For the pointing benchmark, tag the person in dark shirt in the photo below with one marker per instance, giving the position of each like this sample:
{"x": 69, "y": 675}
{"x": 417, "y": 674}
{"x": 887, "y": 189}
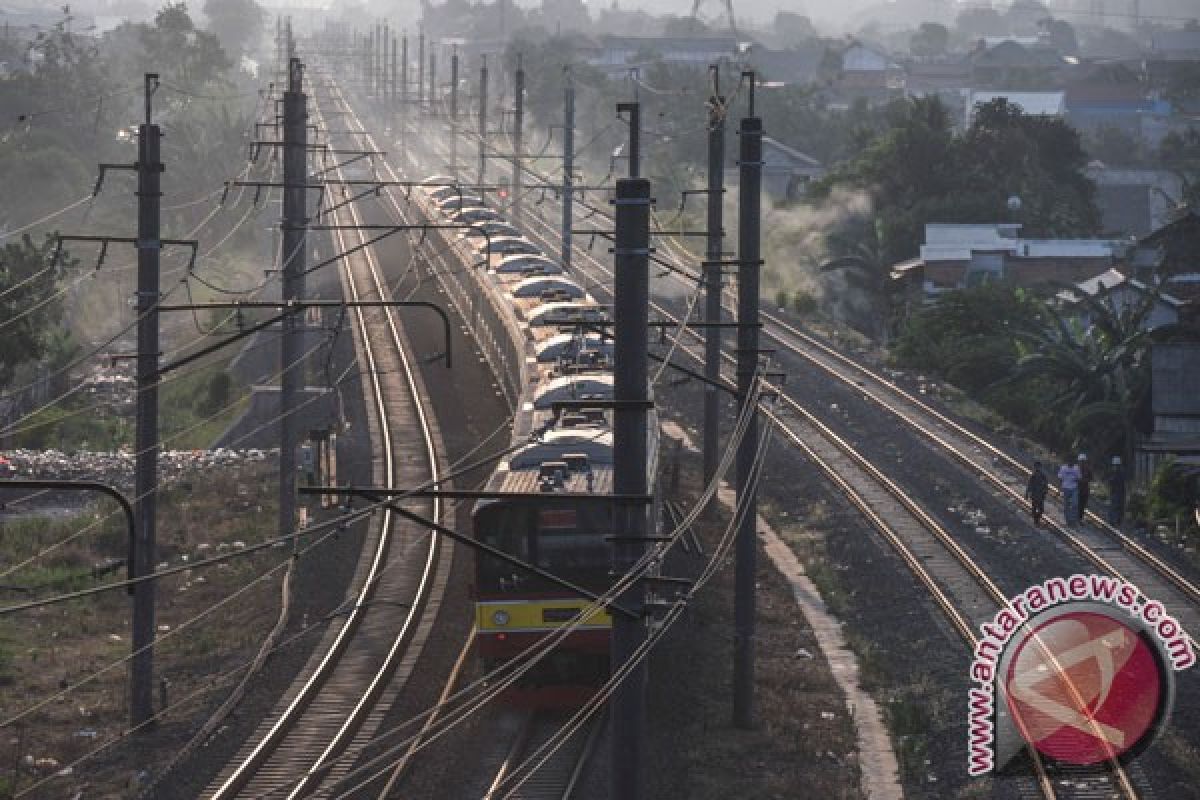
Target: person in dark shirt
{"x": 1116, "y": 492}
{"x": 1035, "y": 492}
{"x": 1085, "y": 485}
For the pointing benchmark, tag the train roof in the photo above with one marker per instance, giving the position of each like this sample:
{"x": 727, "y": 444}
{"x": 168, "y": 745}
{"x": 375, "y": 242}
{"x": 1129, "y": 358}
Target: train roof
{"x": 555, "y": 445}
{"x": 566, "y": 313}
{"x": 536, "y": 285}
{"x": 528, "y": 262}
{"x": 562, "y": 345}
{"x": 586, "y": 386}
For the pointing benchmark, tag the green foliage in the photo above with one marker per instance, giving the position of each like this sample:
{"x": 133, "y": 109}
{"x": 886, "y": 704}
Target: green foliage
{"x": 217, "y": 395}
{"x": 918, "y": 171}
{"x": 29, "y": 302}
{"x": 804, "y": 302}
{"x": 1172, "y": 492}
{"x": 236, "y": 23}
{"x": 1181, "y": 152}
{"x": 72, "y": 427}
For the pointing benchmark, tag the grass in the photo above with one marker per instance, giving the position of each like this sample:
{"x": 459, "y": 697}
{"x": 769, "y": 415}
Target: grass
{"x": 44, "y": 649}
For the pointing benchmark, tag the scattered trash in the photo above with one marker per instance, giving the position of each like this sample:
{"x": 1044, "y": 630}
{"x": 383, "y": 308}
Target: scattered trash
{"x": 803, "y": 653}
{"x": 116, "y": 467}
{"x": 828, "y": 715}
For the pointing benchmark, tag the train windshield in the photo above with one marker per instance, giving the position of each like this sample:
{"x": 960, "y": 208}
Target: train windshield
{"x": 567, "y": 541}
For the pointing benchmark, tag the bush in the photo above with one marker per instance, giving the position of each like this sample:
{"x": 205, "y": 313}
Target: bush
{"x": 220, "y": 387}
{"x": 804, "y": 302}
{"x": 1172, "y": 492}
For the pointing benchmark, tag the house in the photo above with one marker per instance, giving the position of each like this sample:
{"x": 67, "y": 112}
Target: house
{"x": 864, "y": 67}
{"x": 1010, "y": 63}
{"x": 795, "y": 65}
{"x": 1134, "y": 202}
{"x": 1175, "y": 45}
{"x": 786, "y": 171}
{"x": 1113, "y": 96}
{"x": 1123, "y": 293}
{"x": 621, "y": 52}
{"x": 956, "y": 256}
{"x": 1175, "y": 403}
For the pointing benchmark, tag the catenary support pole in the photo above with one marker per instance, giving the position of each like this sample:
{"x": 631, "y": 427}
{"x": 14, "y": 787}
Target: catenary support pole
{"x": 149, "y": 248}
{"x": 454, "y": 112}
{"x": 420, "y": 69}
{"x": 746, "y": 553}
{"x": 434, "y": 99}
{"x": 394, "y": 74}
{"x": 568, "y": 190}
{"x": 518, "y": 127}
{"x": 403, "y": 72}
{"x": 713, "y": 278}
{"x": 483, "y": 105}
{"x": 295, "y": 179}
{"x": 631, "y": 295}
{"x": 634, "y": 111}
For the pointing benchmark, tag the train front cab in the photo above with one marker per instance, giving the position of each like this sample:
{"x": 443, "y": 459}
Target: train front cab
{"x": 514, "y": 610}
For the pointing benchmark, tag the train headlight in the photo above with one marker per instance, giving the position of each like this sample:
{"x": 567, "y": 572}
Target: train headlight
{"x": 500, "y": 617}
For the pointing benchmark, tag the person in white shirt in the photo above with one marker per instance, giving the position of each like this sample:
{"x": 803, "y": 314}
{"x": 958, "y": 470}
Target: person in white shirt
{"x": 1068, "y": 480}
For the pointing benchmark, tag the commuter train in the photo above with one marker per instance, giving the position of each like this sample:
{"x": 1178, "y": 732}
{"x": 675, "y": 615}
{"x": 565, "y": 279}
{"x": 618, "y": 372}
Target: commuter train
{"x": 543, "y": 336}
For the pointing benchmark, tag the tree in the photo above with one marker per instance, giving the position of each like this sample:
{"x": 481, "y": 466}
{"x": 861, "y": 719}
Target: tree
{"x": 29, "y": 302}
{"x": 1100, "y": 371}
{"x": 1115, "y": 147}
{"x": 975, "y": 22}
{"x": 791, "y": 28}
{"x": 181, "y": 53}
{"x": 238, "y": 24}
{"x": 931, "y": 39}
{"x": 1039, "y": 159}
{"x": 1180, "y": 152}
{"x": 1060, "y": 35}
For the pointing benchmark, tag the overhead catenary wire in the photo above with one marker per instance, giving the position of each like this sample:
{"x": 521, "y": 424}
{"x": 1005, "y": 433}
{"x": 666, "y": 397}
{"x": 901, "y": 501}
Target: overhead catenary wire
{"x": 527, "y": 659}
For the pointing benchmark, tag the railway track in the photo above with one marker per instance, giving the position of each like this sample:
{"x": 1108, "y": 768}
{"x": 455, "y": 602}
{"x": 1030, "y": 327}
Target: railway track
{"x": 528, "y": 770}
{"x": 962, "y": 588}
{"x": 1106, "y": 548}
{"x": 339, "y": 699}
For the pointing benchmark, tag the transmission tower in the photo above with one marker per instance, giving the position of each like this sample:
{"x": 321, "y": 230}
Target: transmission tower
{"x": 728, "y": 12}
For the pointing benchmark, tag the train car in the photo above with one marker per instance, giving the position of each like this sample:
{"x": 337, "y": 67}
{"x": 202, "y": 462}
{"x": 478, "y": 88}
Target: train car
{"x": 539, "y": 326}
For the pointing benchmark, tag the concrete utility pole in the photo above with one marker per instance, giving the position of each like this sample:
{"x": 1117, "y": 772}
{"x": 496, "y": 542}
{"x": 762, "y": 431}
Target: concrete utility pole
{"x": 295, "y": 221}
{"x": 518, "y": 126}
{"x": 149, "y": 247}
{"x": 404, "y": 73}
{"x": 635, "y": 137}
{"x": 568, "y": 191}
{"x": 392, "y": 92}
{"x": 454, "y": 112}
{"x": 712, "y": 278}
{"x": 631, "y": 305}
{"x": 420, "y": 69}
{"x": 383, "y": 63}
{"x": 433, "y": 95}
{"x": 746, "y": 552}
{"x": 483, "y": 104}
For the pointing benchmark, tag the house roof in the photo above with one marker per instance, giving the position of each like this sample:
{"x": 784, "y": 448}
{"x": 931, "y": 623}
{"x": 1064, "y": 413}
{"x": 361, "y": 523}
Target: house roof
{"x": 792, "y": 153}
{"x": 1111, "y": 279}
{"x": 1012, "y": 54}
{"x": 1177, "y": 44}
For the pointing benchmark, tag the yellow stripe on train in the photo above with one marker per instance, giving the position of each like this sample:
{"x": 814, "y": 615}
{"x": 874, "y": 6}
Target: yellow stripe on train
{"x": 508, "y": 616}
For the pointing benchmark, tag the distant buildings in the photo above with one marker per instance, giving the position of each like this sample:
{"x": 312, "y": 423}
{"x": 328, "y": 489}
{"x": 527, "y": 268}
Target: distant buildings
{"x": 956, "y": 256}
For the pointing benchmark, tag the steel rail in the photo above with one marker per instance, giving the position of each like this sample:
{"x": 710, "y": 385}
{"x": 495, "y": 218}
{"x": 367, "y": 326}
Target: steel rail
{"x": 1117, "y": 772}
{"x": 317, "y": 679}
